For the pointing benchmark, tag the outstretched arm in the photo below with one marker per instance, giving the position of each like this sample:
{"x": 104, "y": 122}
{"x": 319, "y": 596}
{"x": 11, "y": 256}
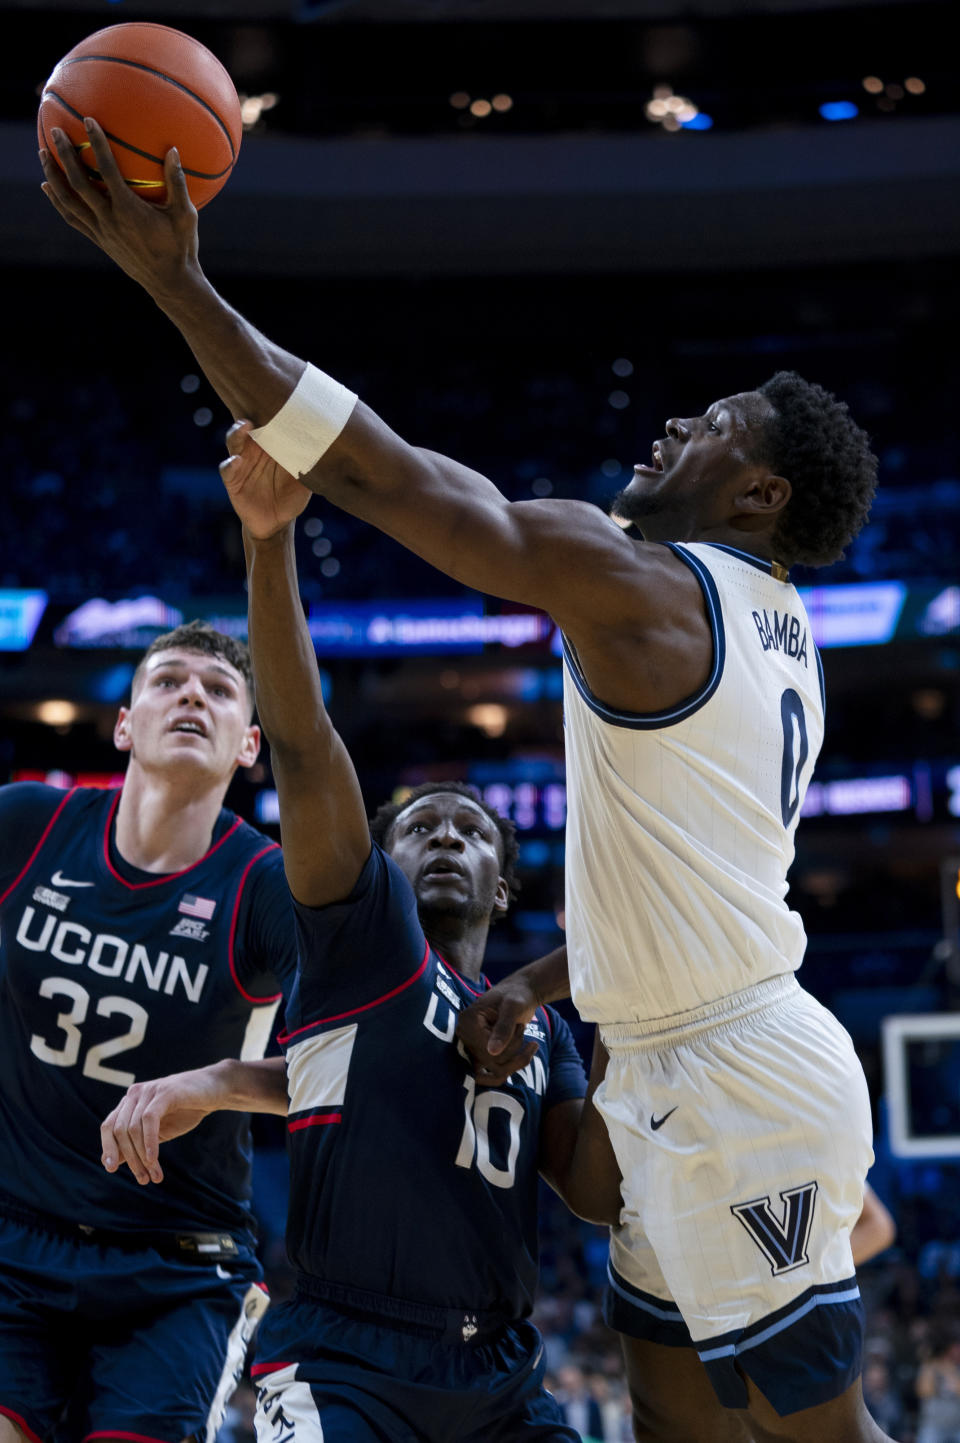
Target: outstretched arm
{"x": 323, "y": 823}
{"x": 563, "y": 556}
{"x": 150, "y": 1113}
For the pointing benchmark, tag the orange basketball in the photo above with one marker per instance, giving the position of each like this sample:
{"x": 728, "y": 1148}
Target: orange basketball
{"x": 150, "y": 87}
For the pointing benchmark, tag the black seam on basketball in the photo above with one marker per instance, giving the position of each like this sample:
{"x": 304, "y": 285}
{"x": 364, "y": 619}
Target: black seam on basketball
{"x": 151, "y": 70}
{"x": 157, "y": 159}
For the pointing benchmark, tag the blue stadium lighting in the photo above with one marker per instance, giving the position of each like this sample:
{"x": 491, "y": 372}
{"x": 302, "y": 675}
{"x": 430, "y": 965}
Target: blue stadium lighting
{"x": 860, "y": 614}
{"x": 839, "y": 110}
{"x": 112, "y": 684}
{"x": 20, "y": 613}
{"x": 701, "y": 121}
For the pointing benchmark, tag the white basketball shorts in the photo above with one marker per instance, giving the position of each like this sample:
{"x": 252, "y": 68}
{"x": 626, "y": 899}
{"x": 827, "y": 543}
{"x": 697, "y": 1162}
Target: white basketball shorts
{"x": 743, "y": 1132}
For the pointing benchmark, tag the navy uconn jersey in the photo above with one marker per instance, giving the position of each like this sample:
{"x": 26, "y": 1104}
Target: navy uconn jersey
{"x": 110, "y": 975}
{"x": 406, "y": 1178}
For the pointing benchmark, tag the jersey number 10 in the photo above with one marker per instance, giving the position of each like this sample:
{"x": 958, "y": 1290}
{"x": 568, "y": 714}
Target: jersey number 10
{"x": 475, "y": 1141}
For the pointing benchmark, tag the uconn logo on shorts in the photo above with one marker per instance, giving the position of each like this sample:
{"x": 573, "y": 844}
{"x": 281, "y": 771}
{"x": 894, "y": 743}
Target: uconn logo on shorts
{"x": 783, "y": 1241}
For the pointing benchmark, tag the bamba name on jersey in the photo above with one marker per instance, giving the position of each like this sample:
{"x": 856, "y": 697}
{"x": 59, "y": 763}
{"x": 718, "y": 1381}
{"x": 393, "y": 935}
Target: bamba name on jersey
{"x": 787, "y": 634}
{"x": 111, "y": 956}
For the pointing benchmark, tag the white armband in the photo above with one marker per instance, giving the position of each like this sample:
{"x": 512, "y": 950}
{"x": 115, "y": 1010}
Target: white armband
{"x": 308, "y": 422}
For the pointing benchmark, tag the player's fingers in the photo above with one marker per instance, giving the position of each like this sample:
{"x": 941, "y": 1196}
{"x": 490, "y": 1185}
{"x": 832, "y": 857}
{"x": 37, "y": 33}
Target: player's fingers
{"x": 58, "y": 190}
{"x": 80, "y": 189}
{"x": 178, "y": 196}
{"x": 110, "y": 172}
{"x": 151, "y": 1121}
{"x": 115, "y": 1144}
{"x": 519, "y": 1043}
{"x": 53, "y": 173}
{"x": 109, "y": 1148}
{"x": 508, "y": 1019}
{"x": 67, "y": 215}
{"x": 473, "y": 1030}
{"x": 230, "y": 470}
{"x": 519, "y": 1047}
{"x": 142, "y": 1137}
{"x": 237, "y": 436}
{"x": 124, "y": 1132}
{"x": 492, "y": 1073}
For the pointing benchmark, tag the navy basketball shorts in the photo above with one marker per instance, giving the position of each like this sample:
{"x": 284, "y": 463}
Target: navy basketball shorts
{"x": 743, "y": 1132}
{"x": 133, "y": 1344}
{"x": 323, "y": 1376}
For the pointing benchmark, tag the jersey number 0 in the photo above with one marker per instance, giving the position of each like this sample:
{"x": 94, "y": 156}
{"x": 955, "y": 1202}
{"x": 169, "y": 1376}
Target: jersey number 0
{"x": 795, "y": 751}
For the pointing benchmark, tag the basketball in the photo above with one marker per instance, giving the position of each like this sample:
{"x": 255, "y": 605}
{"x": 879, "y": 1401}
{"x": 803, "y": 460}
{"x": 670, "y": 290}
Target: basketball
{"x": 150, "y": 87}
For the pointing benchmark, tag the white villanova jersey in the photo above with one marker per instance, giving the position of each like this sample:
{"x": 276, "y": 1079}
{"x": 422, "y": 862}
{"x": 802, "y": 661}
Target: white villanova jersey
{"x": 681, "y": 823}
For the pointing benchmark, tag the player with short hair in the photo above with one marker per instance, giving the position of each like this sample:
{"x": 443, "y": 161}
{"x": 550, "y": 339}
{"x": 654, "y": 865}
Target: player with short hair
{"x": 412, "y": 1219}
{"x": 141, "y": 928}
{"x": 694, "y": 712}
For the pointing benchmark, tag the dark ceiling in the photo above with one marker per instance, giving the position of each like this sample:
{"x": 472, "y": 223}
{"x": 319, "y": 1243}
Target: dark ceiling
{"x": 449, "y": 11}
{"x": 364, "y": 166}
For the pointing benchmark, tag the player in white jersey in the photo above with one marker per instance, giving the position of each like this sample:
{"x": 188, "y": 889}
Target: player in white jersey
{"x": 737, "y": 1109}
{"x": 698, "y": 804}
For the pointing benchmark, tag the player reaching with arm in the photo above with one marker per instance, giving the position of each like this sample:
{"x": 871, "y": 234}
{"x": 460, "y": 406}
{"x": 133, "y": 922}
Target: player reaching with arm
{"x": 413, "y": 1201}
{"x": 140, "y": 928}
{"x": 693, "y": 698}
{"x": 151, "y": 1113}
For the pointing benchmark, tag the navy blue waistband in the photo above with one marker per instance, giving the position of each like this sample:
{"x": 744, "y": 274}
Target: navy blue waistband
{"x": 447, "y": 1325}
{"x": 180, "y": 1245}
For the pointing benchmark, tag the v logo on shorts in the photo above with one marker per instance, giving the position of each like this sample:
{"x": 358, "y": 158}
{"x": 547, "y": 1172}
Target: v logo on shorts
{"x": 783, "y": 1242}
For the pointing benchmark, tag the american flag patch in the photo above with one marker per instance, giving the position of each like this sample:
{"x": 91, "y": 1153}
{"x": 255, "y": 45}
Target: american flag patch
{"x": 197, "y": 906}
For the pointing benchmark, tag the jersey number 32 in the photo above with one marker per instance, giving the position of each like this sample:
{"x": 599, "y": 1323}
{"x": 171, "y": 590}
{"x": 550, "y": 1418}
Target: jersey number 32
{"x": 69, "y": 1023}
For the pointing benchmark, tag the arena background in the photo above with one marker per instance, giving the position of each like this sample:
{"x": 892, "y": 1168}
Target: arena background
{"x": 470, "y": 213}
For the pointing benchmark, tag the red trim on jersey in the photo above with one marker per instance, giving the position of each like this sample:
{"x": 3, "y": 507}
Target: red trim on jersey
{"x": 316, "y": 1119}
{"x": 122, "y": 1433}
{"x": 159, "y": 882}
{"x": 477, "y": 992}
{"x": 257, "y": 1001}
{"x": 546, "y": 1018}
{"x": 285, "y": 1036}
{"x": 15, "y": 1417}
{"x": 259, "y": 1369}
{"x": 30, "y": 860}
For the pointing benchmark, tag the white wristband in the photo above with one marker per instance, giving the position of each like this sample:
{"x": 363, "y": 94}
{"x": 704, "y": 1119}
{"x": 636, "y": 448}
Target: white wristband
{"x": 308, "y": 423}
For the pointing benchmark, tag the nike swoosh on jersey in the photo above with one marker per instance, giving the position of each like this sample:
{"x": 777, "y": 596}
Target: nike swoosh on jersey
{"x": 58, "y": 880}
